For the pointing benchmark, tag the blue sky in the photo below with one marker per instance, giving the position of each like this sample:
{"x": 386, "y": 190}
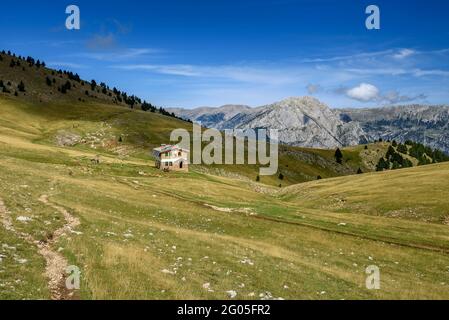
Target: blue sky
{"x": 208, "y": 53}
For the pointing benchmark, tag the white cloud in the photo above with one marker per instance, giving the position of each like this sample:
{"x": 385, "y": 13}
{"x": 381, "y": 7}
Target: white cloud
{"x": 404, "y": 53}
{"x": 364, "y": 92}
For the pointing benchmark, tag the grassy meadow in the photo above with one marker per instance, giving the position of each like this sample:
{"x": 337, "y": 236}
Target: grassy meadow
{"x": 145, "y": 234}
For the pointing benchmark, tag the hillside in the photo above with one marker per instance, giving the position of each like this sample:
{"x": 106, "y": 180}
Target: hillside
{"x": 370, "y": 194}
{"x": 136, "y": 232}
{"x": 30, "y": 80}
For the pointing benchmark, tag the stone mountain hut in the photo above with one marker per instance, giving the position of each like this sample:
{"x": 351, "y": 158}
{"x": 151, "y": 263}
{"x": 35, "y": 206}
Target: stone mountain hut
{"x": 171, "y": 158}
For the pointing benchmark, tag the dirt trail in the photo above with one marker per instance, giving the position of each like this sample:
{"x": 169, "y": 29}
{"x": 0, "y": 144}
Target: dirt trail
{"x": 56, "y": 264}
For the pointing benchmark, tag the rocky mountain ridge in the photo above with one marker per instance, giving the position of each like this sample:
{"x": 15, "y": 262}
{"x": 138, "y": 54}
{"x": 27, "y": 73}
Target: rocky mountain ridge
{"x": 307, "y": 122}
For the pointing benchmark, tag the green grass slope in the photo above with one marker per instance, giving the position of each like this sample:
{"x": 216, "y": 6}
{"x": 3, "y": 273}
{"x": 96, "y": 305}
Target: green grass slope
{"x": 420, "y": 195}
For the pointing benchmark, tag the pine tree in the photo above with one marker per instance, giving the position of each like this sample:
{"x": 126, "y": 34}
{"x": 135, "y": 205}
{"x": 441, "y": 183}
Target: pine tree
{"x": 402, "y": 148}
{"x": 382, "y": 165}
{"x": 145, "y": 106}
{"x": 395, "y": 165}
{"x": 21, "y": 86}
{"x": 390, "y": 153}
{"x": 338, "y": 156}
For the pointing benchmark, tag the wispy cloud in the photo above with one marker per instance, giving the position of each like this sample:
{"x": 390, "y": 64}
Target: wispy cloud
{"x": 254, "y": 74}
{"x": 121, "y": 27}
{"x": 432, "y": 72}
{"x": 416, "y": 72}
{"x": 382, "y": 55}
{"x": 176, "y": 69}
{"x": 356, "y": 56}
{"x": 340, "y": 78}
{"x": 313, "y": 88}
{"x": 62, "y": 64}
{"x": 118, "y": 54}
{"x": 102, "y": 42}
{"x": 394, "y": 97}
{"x": 404, "y": 53}
{"x": 46, "y": 43}
{"x": 351, "y": 66}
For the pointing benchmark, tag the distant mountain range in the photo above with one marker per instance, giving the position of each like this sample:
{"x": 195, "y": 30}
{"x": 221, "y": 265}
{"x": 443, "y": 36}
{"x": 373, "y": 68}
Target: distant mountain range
{"x": 428, "y": 125}
{"x": 307, "y": 122}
